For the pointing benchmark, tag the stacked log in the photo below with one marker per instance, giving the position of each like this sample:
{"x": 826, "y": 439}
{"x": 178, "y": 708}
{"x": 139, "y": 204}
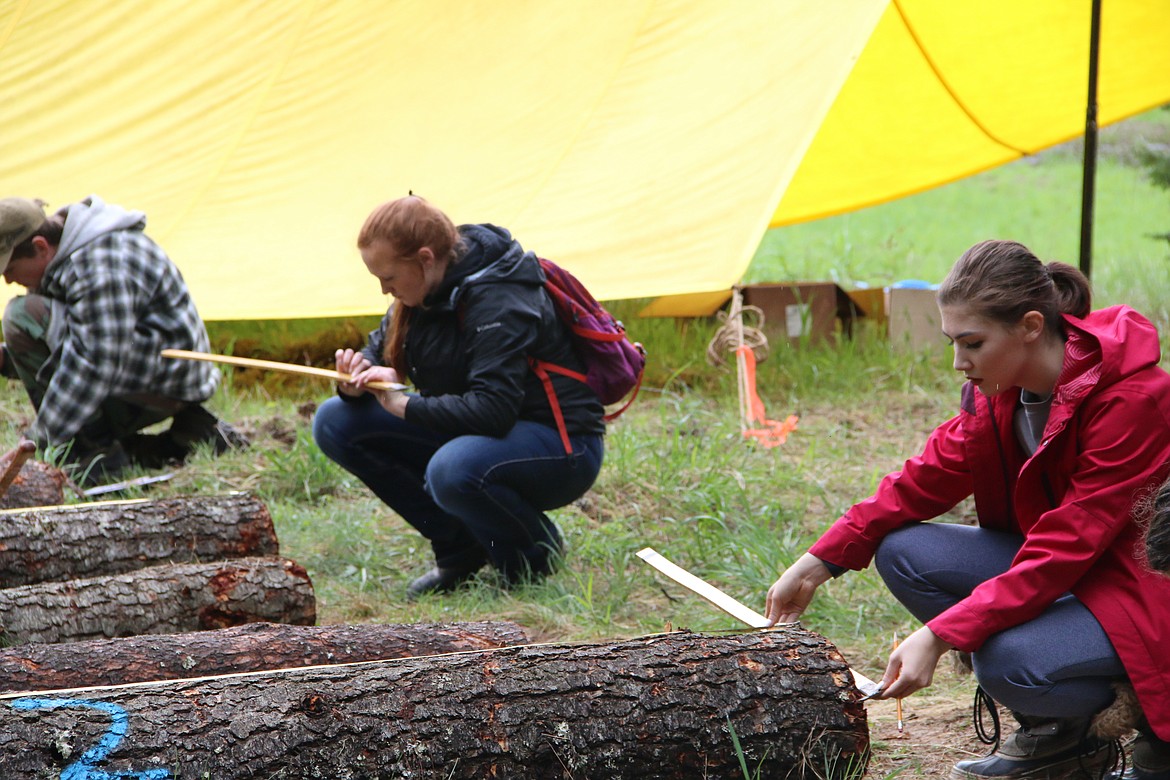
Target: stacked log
{"x": 54, "y": 543}
{"x": 159, "y": 600}
{"x": 247, "y": 648}
{"x": 122, "y": 568}
{"x": 676, "y": 705}
{"x": 32, "y": 484}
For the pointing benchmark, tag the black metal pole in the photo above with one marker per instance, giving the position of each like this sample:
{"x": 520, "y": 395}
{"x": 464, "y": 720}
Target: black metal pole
{"x": 1090, "y": 164}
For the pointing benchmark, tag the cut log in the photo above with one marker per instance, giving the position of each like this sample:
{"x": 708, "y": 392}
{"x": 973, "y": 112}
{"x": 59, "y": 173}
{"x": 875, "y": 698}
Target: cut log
{"x": 667, "y": 706}
{"x": 248, "y": 648}
{"x": 12, "y": 462}
{"x": 110, "y": 537}
{"x": 36, "y": 484}
{"x": 158, "y": 600}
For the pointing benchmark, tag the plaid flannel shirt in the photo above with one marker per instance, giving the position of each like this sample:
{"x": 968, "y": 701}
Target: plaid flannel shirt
{"x": 125, "y": 301}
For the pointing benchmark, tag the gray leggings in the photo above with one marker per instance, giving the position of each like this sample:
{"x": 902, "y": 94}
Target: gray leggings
{"x": 1059, "y": 664}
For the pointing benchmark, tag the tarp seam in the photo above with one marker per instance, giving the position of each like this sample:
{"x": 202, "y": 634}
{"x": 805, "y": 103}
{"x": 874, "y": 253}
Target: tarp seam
{"x": 257, "y": 104}
{"x": 946, "y": 85}
{"x": 16, "y": 16}
{"x": 588, "y": 115}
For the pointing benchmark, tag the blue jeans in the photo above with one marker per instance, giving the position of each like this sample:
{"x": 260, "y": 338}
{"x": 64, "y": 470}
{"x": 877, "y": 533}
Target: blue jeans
{"x": 475, "y": 498}
{"x": 1059, "y": 664}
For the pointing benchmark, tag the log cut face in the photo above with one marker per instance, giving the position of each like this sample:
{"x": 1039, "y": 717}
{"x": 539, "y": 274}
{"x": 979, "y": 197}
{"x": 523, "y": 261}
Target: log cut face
{"x": 655, "y": 707}
{"x": 110, "y": 537}
{"x": 249, "y": 648}
{"x": 159, "y": 600}
{"x": 35, "y": 485}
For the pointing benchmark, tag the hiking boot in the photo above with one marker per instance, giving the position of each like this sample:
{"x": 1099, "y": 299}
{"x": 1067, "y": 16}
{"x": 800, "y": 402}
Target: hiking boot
{"x": 1042, "y": 749}
{"x": 195, "y": 425}
{"x": 90, "y": 464}
{"x": 440, "y": 580}
{"x": 1151, "y": 760}
{"x": 153, "y": 450}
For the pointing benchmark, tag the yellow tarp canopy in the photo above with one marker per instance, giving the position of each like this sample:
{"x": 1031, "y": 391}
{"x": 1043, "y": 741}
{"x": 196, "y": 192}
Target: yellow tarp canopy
{"x": 644, "y": 145}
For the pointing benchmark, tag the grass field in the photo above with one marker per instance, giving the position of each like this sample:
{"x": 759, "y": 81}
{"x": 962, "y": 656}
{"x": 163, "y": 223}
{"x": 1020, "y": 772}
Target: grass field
{"x": 678, "y": 476}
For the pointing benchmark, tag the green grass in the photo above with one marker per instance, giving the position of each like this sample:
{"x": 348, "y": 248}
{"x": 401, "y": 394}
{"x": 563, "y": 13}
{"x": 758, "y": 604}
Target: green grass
{"x": 678, "y": 475}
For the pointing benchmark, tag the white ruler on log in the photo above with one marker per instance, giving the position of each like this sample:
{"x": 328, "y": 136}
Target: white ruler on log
{"x": 736, "y": 609}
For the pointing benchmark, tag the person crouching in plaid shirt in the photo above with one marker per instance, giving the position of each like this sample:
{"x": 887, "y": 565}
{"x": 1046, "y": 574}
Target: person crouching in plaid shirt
{"x": 103, "y": 301}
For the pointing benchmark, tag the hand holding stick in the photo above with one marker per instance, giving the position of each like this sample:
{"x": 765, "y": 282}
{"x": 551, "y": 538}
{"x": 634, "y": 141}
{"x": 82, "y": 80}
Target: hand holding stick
{"x": 271, "y": 365}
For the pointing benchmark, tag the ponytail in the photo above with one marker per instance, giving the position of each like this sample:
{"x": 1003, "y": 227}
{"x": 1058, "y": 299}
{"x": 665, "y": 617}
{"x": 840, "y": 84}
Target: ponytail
{"x": 1003, "y": 280}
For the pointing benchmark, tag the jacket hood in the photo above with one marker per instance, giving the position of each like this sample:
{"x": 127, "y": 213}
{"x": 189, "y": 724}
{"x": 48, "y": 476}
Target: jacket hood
{"x": 1125, "y": 343}
{"x": 490, "y": 255}
{"x": 1102, "y": 349}
{"x": 93, "y": 218}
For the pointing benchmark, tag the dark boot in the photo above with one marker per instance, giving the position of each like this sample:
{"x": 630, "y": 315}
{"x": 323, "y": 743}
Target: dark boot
{"x": 154, "y": 450}
{"x": 1042, "y": 749}
{"x": 1150, "y": 759}
{"x": 89, "y": 463}
{"x": 441, "y": 580}
{"x": 195, "y": 425}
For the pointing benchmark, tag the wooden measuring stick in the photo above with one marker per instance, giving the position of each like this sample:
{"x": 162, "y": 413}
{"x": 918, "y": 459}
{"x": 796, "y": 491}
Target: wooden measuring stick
{"x": 272, "y": 365}
{"x": 729, "y": 605}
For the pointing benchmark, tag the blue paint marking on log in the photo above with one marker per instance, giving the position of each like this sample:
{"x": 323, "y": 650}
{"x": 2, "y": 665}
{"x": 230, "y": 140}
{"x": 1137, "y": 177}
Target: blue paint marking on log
{"x": 86, "y": 767}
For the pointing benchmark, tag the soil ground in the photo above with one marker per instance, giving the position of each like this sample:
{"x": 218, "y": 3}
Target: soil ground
{"x": 937, "y": 730}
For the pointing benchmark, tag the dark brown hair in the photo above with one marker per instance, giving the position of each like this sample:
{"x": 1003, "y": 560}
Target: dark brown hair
{"x": 408, "y": 224}
{"x": 1003, "y": 281}
{"x": 51, "y": 230}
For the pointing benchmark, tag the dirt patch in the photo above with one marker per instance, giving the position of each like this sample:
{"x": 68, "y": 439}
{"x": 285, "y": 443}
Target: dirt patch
{"x": 936, "y": 730}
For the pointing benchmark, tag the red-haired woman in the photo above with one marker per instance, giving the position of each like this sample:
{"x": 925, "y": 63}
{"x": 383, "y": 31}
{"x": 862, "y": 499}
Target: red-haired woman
{"x": 1062, "y": 437}
{"x": 473, "y": 459}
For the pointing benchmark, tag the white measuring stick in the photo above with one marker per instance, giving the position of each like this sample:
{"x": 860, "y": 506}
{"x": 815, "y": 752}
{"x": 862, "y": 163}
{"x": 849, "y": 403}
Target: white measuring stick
{"x": 729, "y": 605}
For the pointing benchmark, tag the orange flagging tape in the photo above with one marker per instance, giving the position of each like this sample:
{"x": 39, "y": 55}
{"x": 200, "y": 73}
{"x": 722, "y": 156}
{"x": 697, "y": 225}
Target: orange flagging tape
{"x": 771, "y": 433}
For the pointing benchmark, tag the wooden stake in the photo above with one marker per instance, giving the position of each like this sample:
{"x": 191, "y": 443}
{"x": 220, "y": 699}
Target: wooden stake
{"x": 20, "y": 455}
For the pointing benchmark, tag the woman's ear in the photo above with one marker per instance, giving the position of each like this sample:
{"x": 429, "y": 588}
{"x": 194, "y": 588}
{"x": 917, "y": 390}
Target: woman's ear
{"x": 1032, "y": 325}
{"x": 426, "y": 256}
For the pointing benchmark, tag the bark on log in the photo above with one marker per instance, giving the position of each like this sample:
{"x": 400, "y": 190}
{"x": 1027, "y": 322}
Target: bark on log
{"x": 650, "y": 708}
{"x": 111, "y": 537}
{"x": 36, "y": 484}
{"x": 249, "y": 648}
{"x": 159, "y": 600}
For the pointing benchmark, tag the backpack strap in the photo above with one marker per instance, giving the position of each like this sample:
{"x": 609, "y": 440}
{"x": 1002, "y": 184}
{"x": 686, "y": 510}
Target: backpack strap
{"x": 616, "y": 413}
{"x": 541, "y": 369}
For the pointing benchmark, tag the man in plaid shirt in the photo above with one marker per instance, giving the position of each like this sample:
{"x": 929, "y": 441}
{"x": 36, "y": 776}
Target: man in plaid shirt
{"x": 103, "y": 301}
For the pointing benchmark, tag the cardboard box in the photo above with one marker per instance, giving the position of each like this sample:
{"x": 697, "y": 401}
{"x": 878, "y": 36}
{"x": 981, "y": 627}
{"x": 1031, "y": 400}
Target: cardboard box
{"x": 913, "y": 319}
{"x": 800, "y": 310}
{"x": 871, "y": 302}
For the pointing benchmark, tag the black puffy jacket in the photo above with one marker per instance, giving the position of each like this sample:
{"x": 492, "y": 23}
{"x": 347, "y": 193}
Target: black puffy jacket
{"x": 468, "y": 345}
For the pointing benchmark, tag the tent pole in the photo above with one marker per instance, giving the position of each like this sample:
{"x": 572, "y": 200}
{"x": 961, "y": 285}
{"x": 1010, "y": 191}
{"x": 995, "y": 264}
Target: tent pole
{"x": 1090, "y": 163}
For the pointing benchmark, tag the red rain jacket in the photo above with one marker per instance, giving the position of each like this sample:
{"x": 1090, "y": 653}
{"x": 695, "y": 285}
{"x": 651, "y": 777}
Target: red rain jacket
{"x": 1080, "y": 501}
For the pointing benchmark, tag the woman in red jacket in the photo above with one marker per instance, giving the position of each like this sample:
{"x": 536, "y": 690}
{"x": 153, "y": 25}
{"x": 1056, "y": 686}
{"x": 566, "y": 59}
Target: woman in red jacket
{"x": 1062, "y": 438}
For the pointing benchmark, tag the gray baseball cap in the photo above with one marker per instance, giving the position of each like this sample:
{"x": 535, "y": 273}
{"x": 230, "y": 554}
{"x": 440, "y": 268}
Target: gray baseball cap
{"x": 19, "y": 219}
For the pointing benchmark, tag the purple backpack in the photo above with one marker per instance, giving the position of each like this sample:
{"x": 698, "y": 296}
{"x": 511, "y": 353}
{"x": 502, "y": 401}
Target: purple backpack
{"x": 613, "y": 364}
